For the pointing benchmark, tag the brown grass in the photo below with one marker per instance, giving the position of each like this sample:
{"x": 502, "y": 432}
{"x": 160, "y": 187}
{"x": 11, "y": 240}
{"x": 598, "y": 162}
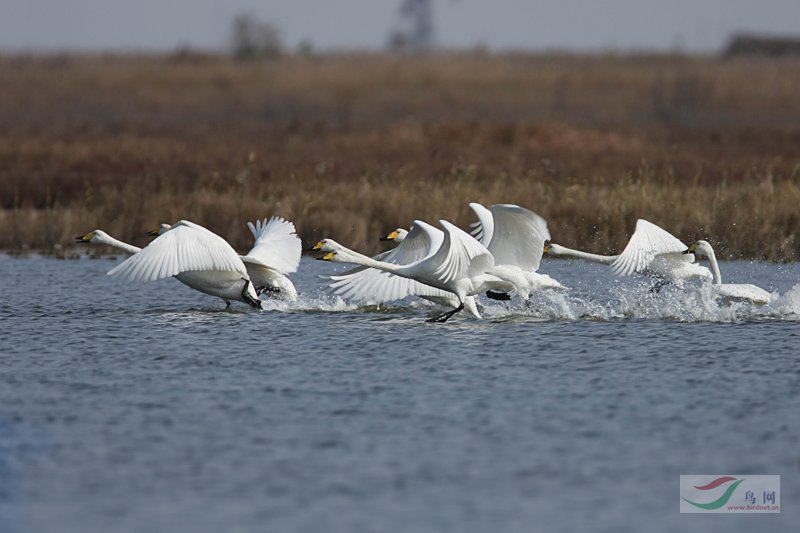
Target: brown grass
{"x": 353, "y": 146}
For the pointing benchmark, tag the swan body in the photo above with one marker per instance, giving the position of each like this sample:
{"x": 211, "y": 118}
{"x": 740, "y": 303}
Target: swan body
{"x": 651, "y": 250}
{"x": 215, "y": 283}
{"x": 275, "y": 253}
{"x": 370, "y": 284}
{"x": 515, "y": 236}
{"x": 198, "y": 258}
{"x": 732, "y": 291}
{"x": 460, "y": 265}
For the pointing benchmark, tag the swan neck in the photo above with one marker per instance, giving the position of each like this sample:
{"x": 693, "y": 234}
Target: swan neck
{"x": 349, "y": 256}
{"x": 116, "y": 243}
{"x": 587, "y": 256}
{"x": 712, "y": 258}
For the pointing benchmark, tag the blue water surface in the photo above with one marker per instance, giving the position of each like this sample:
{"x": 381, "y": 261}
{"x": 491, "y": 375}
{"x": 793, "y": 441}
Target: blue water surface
{"x": 148, "y": 407}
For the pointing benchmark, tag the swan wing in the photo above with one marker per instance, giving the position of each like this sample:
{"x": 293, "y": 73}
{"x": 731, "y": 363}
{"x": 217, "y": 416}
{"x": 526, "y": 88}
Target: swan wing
{"x": 374, "y": 285}
{"x": 459, "y": 256}
{"x": 259, "y": 273}
{"x": 370, "y": 284}
{"x": 483, "y": 229}
{"x": 421, "y": 242}
{"x": 183, "y": 248}
{"x": 276, "y": 246}
{"x": 646, "y": 243}
{"x": 519, "y": 236}
{"x": 678, "y": 267}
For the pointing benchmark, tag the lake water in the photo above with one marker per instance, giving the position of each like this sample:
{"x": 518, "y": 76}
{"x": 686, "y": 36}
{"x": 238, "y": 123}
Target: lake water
{"x": 139, "y": 408}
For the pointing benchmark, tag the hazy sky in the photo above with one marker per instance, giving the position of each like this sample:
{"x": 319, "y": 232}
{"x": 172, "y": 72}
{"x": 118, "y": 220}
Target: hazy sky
{"x": 500, "y": 24}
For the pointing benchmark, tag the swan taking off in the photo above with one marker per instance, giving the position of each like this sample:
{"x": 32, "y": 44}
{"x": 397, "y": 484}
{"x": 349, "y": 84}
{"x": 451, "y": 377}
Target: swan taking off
{"x": 516, "y": 238}
{"x": 372, "y": 285}
{"x": 275, "y": 253}
{"x": 198, "y": 258}
{"x": 461, "y": 265}
{"x": 651, "y": 251}
{"x": 732, "y": 291}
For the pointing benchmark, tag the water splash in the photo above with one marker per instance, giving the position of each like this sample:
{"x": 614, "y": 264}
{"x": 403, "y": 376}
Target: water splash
{"x": 615, "y": 302}
{"x": 788, "y": 305}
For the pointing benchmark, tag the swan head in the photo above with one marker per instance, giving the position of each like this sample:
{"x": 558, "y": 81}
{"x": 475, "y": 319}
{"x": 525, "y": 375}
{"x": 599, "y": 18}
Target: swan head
{"x": 97, "y": 236}
{"x": 326, "y": 245}
{"x": 700, "y": 248}
{"x": 397, "y": 235}
{"x": 335, "y": 252}
{"x": 336, "y": 256}
{"x": 158, "y": 230}
{"x": 551, "y": 248}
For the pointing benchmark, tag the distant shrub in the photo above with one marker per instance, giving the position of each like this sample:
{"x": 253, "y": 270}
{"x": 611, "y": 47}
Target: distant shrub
{"x": 252, "y": 38}
{"x": 762, "y": 45}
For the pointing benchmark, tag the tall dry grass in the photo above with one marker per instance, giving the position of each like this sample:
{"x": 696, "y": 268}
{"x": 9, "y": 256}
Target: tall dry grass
{"x": 352, "y": 146}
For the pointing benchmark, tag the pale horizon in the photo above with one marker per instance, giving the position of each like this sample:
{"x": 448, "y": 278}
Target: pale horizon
{"x": 363, "y": 25}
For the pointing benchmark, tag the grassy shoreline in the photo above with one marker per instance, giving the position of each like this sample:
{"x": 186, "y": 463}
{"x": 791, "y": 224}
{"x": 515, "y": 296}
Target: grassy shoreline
{"x": 351, "y": 146}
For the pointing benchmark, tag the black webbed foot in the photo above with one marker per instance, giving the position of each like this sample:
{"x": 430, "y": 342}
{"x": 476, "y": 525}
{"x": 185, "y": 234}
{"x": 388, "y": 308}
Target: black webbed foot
{"x": 494, "y": 295}
{"x": 658, "y": 285}
{"x": 266, "y": 289}
{"x": 444, "y": 317}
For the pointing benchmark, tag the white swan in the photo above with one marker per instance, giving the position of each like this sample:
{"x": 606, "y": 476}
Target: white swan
{"x": 733, "y": 291}
{"x": 516, "y": 238}
{"x": 651, "y": 251}
{"x": 99, "y": 236}
{"x": 369, "y": 284}
{"x": 275, "y": 253}
{"x": 461, "y": 265}
{"x": 195, "y": 256}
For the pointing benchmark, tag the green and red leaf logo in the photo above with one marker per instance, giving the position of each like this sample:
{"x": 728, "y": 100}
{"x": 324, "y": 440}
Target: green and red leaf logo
{"x": 723, "y": 499}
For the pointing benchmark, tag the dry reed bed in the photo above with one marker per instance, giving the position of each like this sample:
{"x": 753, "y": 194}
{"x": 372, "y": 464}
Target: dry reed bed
{"x": 352, "y": 146}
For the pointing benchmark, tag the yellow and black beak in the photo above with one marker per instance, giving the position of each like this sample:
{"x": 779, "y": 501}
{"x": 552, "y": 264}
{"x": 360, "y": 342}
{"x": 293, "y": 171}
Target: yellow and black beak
{"x": 85, "y": 238}
{"x": 546, "y": 249}
{"x": 153, "y": 232}
{"x": 316, "y": 247}
{"x": 390, "y": 237}
{"x": 327, "y": 257}
{"x": 690, "y": 249}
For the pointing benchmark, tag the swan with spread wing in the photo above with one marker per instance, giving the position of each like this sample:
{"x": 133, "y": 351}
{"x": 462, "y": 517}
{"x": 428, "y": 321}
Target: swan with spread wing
{"x": 651, "y": 250}
{"x": 275, "y": 254}
{"x": 460, "y": 265}
{"x": 367, "y": 284}
{"x": 516, "y": 238}
{"x": 195, "y": 256}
